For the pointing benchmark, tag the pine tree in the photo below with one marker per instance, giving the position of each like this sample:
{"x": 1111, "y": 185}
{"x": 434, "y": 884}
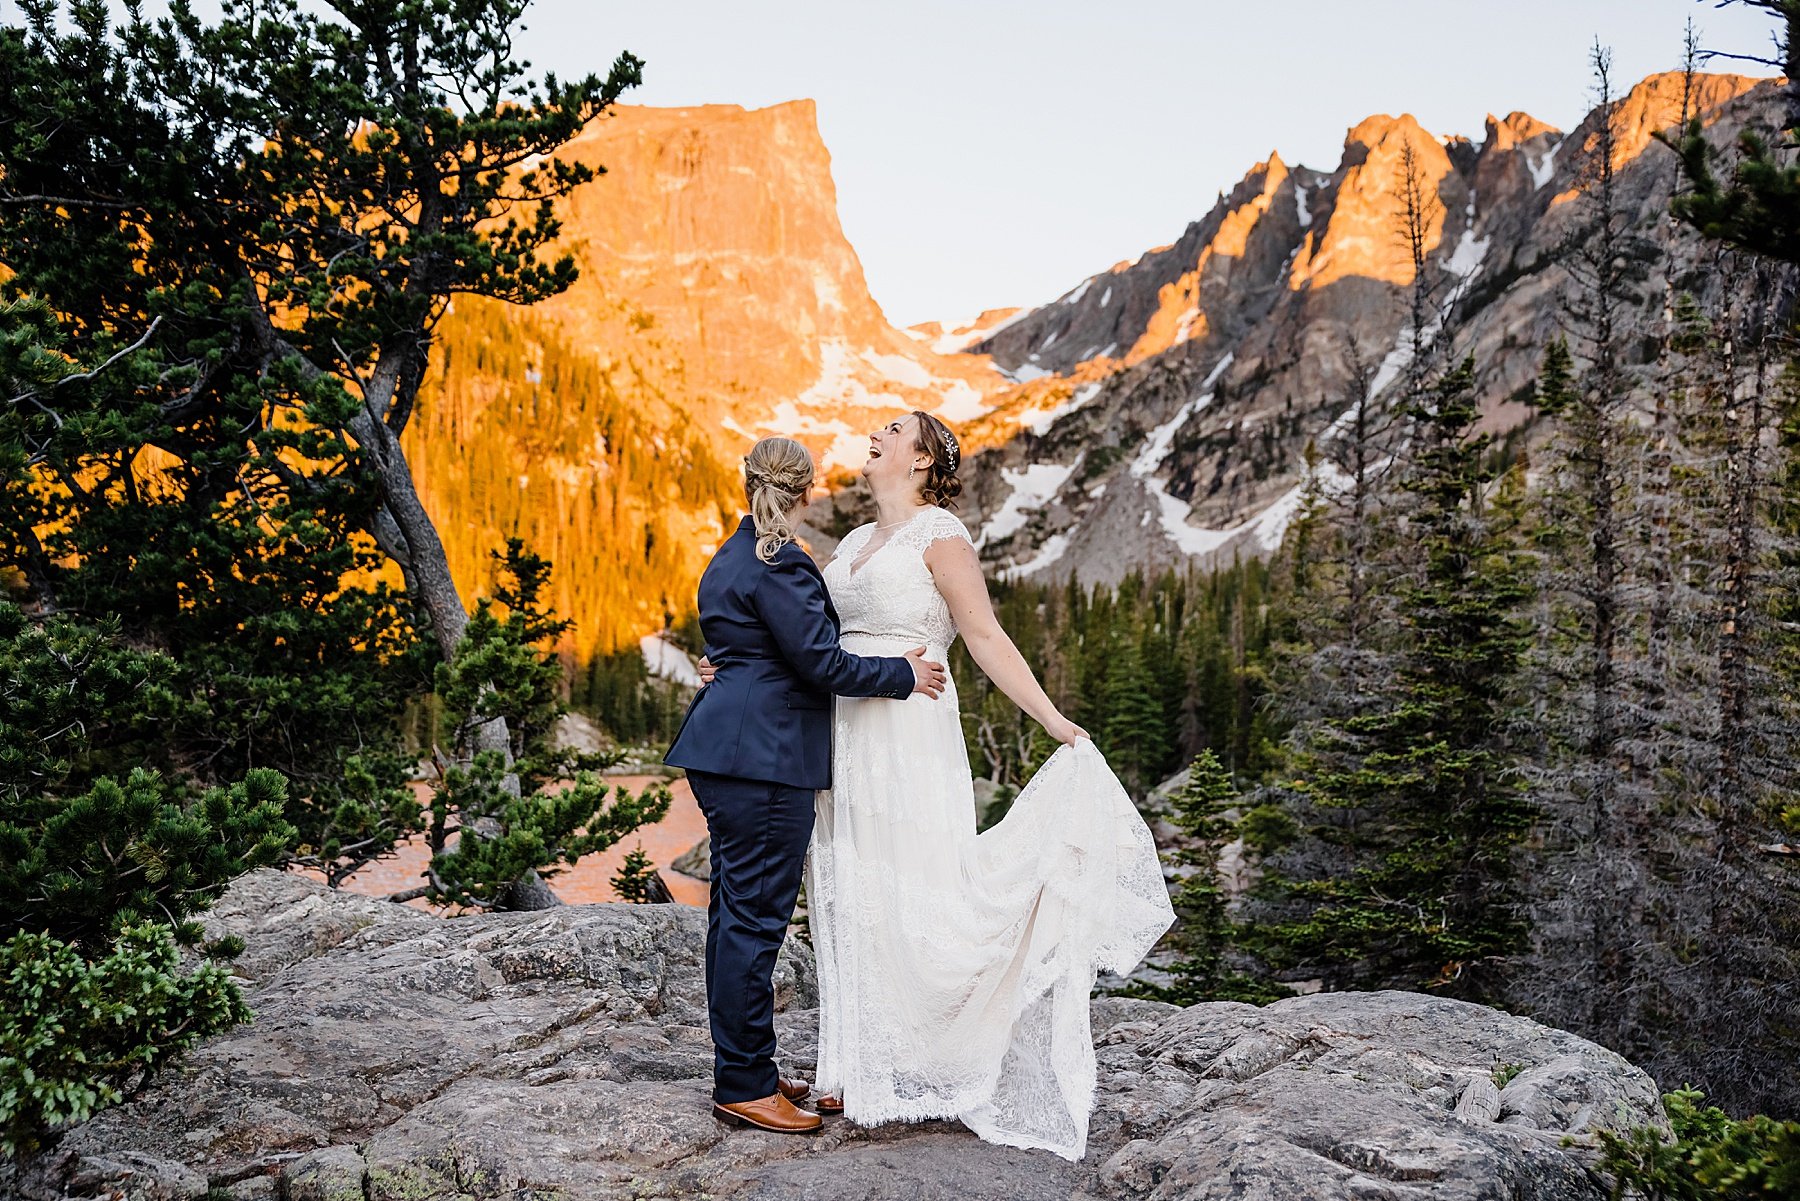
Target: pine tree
{"x": 1205, "y": 810}
{"x": 1427, "y": 898}
{"x": 105, "y": 862}
{"x": 1133, "y": 730}
{"x": 636, "y": 879}
{"x": 1192, "y": 676}
{"x": 1719, "y": 697}
{"x": 1600, "y": 456}
{"x": 506, "y": 667}
{"x": 1751, "y": 893}
{"x": 91, "y": 834}
{"x": 1759, "y": 209}
{"x": 279, "y": 656}
{"x": 281, "y": 243}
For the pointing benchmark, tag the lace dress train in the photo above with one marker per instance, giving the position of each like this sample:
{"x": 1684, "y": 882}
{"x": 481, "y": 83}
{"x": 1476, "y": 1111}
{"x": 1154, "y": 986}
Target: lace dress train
{"x": 955, "y": 968}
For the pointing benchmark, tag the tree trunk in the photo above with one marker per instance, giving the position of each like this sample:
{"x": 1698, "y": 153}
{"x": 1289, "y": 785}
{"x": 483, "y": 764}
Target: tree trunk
{"x": 426, "y": 565}
{"x": 429, "y": 573}
{"x": 1658, "y": 483}
{"x": 405, "y": 532}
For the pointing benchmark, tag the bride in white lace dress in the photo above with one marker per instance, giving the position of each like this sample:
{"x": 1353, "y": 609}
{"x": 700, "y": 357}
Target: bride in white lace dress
{"x": 955, "y": 968}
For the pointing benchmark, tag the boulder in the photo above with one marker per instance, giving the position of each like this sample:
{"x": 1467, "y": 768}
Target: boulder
{"x": 696, "y": 861}
{"x": 564, "y": 1053}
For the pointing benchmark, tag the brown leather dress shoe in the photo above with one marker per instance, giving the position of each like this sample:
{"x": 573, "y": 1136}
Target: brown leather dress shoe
{"x": 773, "y": 1112}
{"x": 829, "y": 1103}
{"x": 792, "y": 1089}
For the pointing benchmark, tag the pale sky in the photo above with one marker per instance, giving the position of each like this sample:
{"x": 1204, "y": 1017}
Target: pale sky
{"x": 997, "y": 152}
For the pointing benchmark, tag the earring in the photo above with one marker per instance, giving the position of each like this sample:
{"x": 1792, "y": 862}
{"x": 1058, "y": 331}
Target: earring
{"x": 912, "y": 471}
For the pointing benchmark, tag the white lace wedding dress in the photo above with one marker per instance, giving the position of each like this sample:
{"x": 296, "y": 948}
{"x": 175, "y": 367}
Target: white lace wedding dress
{"x": 955, "y": 968}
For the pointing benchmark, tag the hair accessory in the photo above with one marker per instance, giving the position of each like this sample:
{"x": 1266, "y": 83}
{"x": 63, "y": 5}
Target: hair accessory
{"x": 952, "y": 451}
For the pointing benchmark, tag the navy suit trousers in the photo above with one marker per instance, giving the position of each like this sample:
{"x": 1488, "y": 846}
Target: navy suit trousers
{"x": 759, "y": 836}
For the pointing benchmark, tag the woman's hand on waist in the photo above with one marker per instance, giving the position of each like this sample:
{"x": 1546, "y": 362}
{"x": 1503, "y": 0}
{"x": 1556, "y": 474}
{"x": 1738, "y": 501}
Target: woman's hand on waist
{"x": 708, "y": 669}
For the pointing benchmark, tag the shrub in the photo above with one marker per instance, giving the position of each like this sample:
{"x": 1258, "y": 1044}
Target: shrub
{"x": 85, "y": 847}
{"x": 1711, "y": 1157}
{"x": 103, "y": 865}
{"x": 1205, "y": 929}
{"x": 77, "y": 1035}
{"x": 632, "y": 882}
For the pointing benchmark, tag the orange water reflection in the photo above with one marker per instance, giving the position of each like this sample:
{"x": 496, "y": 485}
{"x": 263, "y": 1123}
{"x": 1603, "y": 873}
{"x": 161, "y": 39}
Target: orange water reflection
{"x": 586, "y": 882}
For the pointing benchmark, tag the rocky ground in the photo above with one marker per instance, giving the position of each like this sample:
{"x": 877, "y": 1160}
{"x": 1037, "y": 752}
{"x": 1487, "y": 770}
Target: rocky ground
{"x": 565, "y": 1054}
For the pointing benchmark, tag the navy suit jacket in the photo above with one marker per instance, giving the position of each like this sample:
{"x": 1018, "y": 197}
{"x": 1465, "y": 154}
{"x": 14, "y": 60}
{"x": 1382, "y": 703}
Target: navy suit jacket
{"x": 772, "y": 632}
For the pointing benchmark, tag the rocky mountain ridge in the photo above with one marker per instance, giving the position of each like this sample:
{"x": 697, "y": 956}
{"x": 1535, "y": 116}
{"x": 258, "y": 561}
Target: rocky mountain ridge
{"x": 564, "y": 1053}
{"x": 1167, "y": 401}
{"x": 1154, "y": 414}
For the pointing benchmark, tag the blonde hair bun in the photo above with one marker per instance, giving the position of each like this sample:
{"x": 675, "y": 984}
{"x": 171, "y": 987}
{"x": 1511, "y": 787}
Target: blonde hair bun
{"x": 778, "y": 474}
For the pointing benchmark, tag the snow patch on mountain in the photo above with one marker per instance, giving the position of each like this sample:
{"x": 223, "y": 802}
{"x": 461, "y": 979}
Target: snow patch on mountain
{"x": 847, "y": 448}
{"x": 900, "y": 369}
{"x": 1024, "y": 373}
{"x": 1156, "y": 447}
{"x": 958, "y": 336}
{"x": 849, "y": 377}
{"x": 1465, "y": 261}
{"x": 1266, "y": 529}
{"x": 961, "y": 402}
{"x": 1544, "y": 170}
{"x": 1032, "y": 488}
{"x": 1049, "y": 553}
{"x": 1470, "y": 252}
{"x": 1039, "y": 421}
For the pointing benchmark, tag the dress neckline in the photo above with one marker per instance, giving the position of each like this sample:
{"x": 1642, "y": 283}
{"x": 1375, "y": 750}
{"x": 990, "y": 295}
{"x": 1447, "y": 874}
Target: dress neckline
{"x": 854, "y": 570}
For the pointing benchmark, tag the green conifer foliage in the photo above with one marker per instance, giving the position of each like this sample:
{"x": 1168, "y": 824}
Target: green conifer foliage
{"x": 1133, "y": 731}
{"x": 506, "y": 667}
{"x": 1429, "y": 901}
{"x": 270, "y": 213}
{"x": 79, "y": 1034}
{"x": 105, "y": 861}
{"x": 1207, "y": 809}
{"x": 91, "y": 839}
{"x": 1758, "y": 210}
{"x": 1156, "y": 669}
{"x": 633, "y": 881}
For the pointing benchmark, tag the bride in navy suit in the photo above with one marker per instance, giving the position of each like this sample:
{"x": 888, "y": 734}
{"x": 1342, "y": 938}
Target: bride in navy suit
{"x": 756, "y": 744}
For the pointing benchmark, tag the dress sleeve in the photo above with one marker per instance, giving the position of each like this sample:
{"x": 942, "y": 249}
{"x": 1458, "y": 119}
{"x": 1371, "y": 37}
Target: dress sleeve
{"x": 937, "y": 526}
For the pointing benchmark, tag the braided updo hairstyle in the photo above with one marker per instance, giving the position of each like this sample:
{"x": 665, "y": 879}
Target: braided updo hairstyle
{"x": 778, "y": 473}
{"x": 941, "y": 486}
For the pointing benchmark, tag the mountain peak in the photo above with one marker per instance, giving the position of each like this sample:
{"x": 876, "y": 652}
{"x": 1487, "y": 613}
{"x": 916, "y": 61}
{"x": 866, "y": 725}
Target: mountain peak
{"x": 1261, "y": 180}
{"x": 1246, "y": 336}
{"x": 1653, "y": 106}
{"x": 1359, "y": 238}
{"x": 718, "y": 301}
{"x": 1378, "y": 128}
{"x": 1504, "y": 133}
{"x": 1657, "y": 102}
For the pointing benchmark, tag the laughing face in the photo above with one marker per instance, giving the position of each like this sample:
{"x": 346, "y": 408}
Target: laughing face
{"x": 894, "y": 450}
